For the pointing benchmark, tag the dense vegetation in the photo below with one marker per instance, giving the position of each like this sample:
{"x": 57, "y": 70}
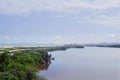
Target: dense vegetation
{"x": 21, "y": 66}
{"x": 23, "y": 63}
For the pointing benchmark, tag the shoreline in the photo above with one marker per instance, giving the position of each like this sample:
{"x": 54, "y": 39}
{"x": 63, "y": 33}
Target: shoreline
{"x": 27, "y": 61}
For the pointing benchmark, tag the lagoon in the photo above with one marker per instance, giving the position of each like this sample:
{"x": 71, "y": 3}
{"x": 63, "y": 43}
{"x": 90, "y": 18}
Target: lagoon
{"x": 90, "y": 63}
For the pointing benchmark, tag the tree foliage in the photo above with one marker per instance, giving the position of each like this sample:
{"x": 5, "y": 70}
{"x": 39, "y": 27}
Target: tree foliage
{"x": 20, "y": 66}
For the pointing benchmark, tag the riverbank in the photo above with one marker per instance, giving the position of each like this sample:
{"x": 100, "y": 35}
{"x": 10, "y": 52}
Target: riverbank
{"x": 14, "y": 50}
{"x": 24, "y": 66}
{"x": 22, "y": 63}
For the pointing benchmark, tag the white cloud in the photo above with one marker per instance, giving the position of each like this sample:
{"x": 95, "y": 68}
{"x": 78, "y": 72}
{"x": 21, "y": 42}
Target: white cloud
{"x": 101, "y": 20}
{"x": 96, "y": 9}
{"x": 97, "y": 14}
{"x": 87, "y": 38}
{"x": 63, "y": 39}
{"x": 29, "y": 6}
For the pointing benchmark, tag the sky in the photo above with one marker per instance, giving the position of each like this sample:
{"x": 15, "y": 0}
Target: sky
{"x": 59, "y": 21}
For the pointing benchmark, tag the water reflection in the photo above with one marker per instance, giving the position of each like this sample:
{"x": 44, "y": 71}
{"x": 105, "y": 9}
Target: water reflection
{"x": 43, "y": 66}
{"x": 48, "y": 61}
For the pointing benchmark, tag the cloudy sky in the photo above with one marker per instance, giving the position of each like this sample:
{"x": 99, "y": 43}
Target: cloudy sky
{"x": 59, "y": 21}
